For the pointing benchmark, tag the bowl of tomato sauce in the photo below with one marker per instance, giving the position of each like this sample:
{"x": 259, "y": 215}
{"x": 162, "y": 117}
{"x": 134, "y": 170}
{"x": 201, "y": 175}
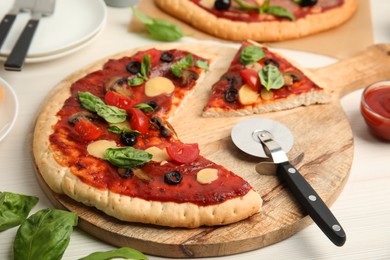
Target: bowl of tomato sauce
{"x": 375, "y": 108}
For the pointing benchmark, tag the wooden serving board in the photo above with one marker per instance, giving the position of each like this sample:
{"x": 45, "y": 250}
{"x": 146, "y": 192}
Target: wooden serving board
{"x": 321, "y": 132}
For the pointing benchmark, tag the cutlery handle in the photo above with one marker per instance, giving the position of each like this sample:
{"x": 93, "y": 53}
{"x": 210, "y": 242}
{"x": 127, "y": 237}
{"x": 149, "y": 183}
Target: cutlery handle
{"x": 312, "y": 203}
{"x": 5, "y": 26}
{"x": 19, "y": 52}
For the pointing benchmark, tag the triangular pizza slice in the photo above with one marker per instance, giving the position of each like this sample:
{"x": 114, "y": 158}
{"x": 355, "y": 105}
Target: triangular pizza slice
{"x": 259, "y": 80}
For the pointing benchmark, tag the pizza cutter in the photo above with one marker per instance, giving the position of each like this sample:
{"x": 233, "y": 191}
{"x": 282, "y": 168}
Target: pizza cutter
{"x": 261, "y": 137}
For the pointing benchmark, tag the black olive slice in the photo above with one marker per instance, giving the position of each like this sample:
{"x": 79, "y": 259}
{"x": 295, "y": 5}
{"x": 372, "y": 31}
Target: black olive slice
{"x": 308, "y": 2}
{"x": 134, "y": 67}
{"x": 166, "y": 57}
{"x": 158, "y": 123}
{"x": 273, "y": 61}
{"x": 173, "y": 177}
{"x": 128, "y": 138}
{"x": 153, "y": 104}
{"x": 222, "y": 4}
{"x": 231, "y": 95}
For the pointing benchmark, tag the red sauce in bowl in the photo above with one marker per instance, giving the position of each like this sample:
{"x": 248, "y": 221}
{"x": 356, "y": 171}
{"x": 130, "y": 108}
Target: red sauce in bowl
{"x": 375, "y": 108}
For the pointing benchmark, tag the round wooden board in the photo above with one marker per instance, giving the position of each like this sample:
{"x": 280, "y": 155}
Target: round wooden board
{"x": 321, "y": 132}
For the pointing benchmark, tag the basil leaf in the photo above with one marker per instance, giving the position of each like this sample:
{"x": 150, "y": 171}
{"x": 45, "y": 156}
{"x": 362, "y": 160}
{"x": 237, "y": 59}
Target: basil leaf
{"x": 163, "y": 30}
{"x": 89, "y": 101}
{"x": 111, "y": 114}
{"x": 271, "y": 77}
{"x": 245, "y": 6}
{"x": 114, "y": 129}
{"x": 203, "y": 64}
{"x": 44, "y": 235}
{"x": 159, "y": 29}
{"x": 127, "y": 157}
{"x": 144, "y": 107}
{"x": 251, "y": 54}
{"x": 186, "y": 62}
{"x": 124, "y": 252}
{"x": 14, "y": 209}
{"x": 136, "y": 81}
{"x": 145, "y": 66}
{"x": 280, "y": 12}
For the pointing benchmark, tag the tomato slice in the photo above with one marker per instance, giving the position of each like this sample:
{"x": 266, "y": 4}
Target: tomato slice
{"x": 251, "y": 78}
{"x": 138, "y": 120}
{"x": 183, "y": 153}
{"x": 87, "y": 130}
{"x": 113, "y": 98}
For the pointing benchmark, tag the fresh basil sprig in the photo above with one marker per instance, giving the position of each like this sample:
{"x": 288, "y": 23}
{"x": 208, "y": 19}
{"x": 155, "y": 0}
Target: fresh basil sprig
{"x": 271, "y": 77}
{"x": 14, "y": 209}
{"x": 144, "y": 107}
{"x": 127, "y": 157}
{"x": 159, "y": 29}
{"x": 44, "y": 235}
{"x": 124, "y": 252}
{"x": 92, "y": 103}
{"x": 266, "y": 8}
{"x": 144, "y": 72}
{"x": 184, "y": 63}
{"x": 251, "y": 54}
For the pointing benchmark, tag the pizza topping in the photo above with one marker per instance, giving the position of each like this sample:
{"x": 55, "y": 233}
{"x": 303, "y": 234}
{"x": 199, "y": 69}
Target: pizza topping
{"x": 138, "y": 120}
{"x": 159, "y": 155}
{"x": 134, "y": 67}
{"x": 129, "y": 138}
{"x": 87, "y": 130}
{"x": 266, "y": 94}
{"x": 272, "y": 61}
{"x": 140, "y": 174}
{"x": 92, "y": 103}
{"x": 184, "y": 63}
{"x": 158, "y": 85}
{"x": 247, "y": 96}
{"x": 222, "y": 4}
{"x": 166, "y": 56}
{"x": 306, "y": 2}
{"x": 153, "y": 105}
{"x": 271, "y": 77}
{"x": 98, "y": 148}
{"x": 118, "y": 100}
{"x": 188, "y": 76}
{"x": 119, "y": 85}
{"x": 158, "y": 123}
{"x": 231, "y": 95}
{"x": 183, "y": 153}
{"x": 85, "y": 115}
{"x": 143, "y": 73}
{"x": 251, "y": 54}
{"x": 173, "y": 177}
{"x": 207, "y": 175}
{"x": 127, "y": 157}
{"x": 251, "y": 78}
{"x": 125, "y": 173}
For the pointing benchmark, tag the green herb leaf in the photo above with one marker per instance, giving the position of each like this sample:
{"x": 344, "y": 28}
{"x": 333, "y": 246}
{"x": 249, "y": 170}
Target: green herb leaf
{"x": 14, "y": 209}
{"x": 245, "y": 6}
{"x": 145, "y": 66}
{"x": 144, "y": 107}
{"x": 280, "y": 12}
{"x": 136, "y": 81}
{"x": 203, "y": 64}
{"x": 111, "y": 114}
{"x": 271, "y": 77}
{"x": 184, "y": 63}
{"x": 159, "y": 29}
{"x": 89, "y": 101}
{"x": 127, "y": 157}
{"x": 124, "y": 252}
{"x": 251, "y": 54}
{"x": 44, "y": 235}
{"x": 114, "y": 129}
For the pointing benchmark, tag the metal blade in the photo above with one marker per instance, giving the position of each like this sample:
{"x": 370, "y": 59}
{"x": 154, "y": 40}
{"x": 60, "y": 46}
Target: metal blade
{"x": 271, "y": 147}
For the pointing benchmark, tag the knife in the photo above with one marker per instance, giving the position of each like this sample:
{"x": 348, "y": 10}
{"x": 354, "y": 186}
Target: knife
{"x": 302, "y": 190}
{"x": 18, "y": 54}
{"x": 9, "y": 18}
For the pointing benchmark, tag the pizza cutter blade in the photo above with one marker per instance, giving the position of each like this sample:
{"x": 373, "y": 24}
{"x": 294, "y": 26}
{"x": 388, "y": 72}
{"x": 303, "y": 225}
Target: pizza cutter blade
{"x": 266, "y": 134}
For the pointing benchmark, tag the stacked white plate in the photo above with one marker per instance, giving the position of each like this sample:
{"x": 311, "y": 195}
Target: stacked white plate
{"x": 9, "y": 107}
{"x": 74, "y": 25}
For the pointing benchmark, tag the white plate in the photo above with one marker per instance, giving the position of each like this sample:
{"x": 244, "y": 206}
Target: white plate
{"x": 72, "y": 23}
{"x": 9, "y": 108}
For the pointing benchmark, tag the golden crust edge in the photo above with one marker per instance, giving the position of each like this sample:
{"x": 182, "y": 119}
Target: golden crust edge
{"x": 258, "y": 31}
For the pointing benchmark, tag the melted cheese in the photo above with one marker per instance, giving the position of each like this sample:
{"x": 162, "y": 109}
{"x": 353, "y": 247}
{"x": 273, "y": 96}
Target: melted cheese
{"x": 98, "y": 148}
{"x": 247, "y": 96}
{"x": 159, "y": 155}
{"x": 158, "y": 85}
{"x": 207, "y": 175}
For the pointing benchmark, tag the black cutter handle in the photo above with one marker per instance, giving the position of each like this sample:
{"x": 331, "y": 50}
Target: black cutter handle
{"x": 312, "y": 203}
{"x": 19, "y": 52}
{"x": 5, "y": 26}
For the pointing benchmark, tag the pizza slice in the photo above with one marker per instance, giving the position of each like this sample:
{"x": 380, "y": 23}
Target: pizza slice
{"x": 103, "y": 139}
{"x": 259, "y": 80}
{"x": 261, "y": 20}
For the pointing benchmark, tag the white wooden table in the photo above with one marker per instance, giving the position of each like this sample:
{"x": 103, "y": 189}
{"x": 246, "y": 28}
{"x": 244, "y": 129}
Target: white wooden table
{"x": 363, "y": 207}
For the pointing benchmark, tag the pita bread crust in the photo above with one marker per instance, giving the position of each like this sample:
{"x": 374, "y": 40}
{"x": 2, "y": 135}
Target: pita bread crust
{"x": 258, "y": 31}
{"x": 62, "y": 181}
